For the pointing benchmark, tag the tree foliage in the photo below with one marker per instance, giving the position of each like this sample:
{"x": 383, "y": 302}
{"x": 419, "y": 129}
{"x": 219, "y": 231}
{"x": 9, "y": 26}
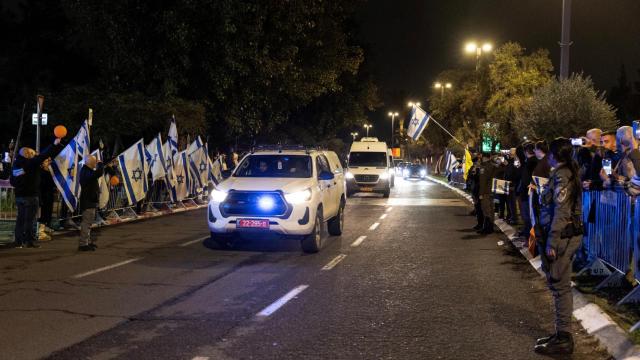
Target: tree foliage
{"x": 565, "y": 108}
{"x": 514, "y": 76}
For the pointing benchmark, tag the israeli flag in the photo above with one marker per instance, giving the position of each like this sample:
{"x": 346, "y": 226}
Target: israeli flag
{"x": 451, "y": 163}
{"x": 199, "y": 166}
{"x": 500, "y": 187}
{"x": 215, "y": 171}
{"x": 419, "y": 120}
{"x": 132, "y": 167}
{"x": 195, "y": 145}
{"x": 65, "y": 167}
{"x": 154, "y": 154}
{"x": 170, "y": 176}
{"x": 103, "y": 199}
{"x": 181, "y": 171}
{"x": 540, "y": 182}
{"x": 173, "y": 138}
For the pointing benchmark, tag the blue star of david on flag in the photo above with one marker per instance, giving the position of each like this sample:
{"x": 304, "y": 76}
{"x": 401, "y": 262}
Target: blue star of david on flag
{"x": 180, "y": 179}
{"x": 137, "y": 174}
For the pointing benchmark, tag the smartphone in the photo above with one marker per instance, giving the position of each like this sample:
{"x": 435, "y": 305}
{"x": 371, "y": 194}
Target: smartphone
{"x": 606, "y": 165}
{"x": 636, "y": 129}
{"x": 7, "y": 158}
{"x": 577, "y": 141}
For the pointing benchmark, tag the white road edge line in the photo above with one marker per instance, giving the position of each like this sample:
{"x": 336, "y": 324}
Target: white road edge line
{"x": 374, "y": 226}
{"x": 334, "y": 262}
{"x": 201, "y": 358}
{"x": 389, "y": 208}
{"x": 105, "y": 268}
{"x": 193, "y": 241}
{"x": 283, "y": 300}
{"x": 383, "y": 216}
{"x": 358, "y": 241}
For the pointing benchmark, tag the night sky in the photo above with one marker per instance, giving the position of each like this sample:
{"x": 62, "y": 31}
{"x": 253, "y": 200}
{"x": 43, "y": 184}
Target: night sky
{"x": 411, "y": 41}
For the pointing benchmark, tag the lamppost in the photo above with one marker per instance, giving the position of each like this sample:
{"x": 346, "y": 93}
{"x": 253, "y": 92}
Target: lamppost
{"x": 367, "y": 126}
{"x": 354, "y": 134}
{"x": 393, "y": 116}
{"x": 440, "y": 86}
{"x": 412, "y": 104}
{"x": 472, "y": 47}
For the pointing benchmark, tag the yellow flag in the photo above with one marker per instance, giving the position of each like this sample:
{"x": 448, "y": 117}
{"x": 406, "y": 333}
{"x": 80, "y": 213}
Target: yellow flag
{"x": 468, "y": 162}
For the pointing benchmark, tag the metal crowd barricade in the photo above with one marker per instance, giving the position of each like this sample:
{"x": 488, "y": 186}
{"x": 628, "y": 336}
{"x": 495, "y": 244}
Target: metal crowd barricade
{"x": 457, "y": 178}
{"x": 8, "y": 211}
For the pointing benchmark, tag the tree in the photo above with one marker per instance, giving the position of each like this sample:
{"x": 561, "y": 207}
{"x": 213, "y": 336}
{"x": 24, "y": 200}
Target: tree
{"x": 514, "y": 77}
{"x": 565, "y": 108}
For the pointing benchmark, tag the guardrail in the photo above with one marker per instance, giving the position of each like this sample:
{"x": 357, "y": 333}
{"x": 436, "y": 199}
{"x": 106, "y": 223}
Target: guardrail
{"x": 611, "y": 241}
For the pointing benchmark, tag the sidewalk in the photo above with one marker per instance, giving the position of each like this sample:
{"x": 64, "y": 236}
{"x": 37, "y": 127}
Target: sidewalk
{"x": 595, "y": 321}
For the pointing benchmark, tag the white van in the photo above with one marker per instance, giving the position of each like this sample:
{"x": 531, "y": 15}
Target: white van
{"x": 368, "y": 167}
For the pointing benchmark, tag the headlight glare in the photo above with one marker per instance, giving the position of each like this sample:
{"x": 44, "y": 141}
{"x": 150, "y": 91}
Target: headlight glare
{"x": 384, "y": 176}
{"x": 298, "y": 197}
{"x": 218, "y": 195}
{"x": 348, "y": 175}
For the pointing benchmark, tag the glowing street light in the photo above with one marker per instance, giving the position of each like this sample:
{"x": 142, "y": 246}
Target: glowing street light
{"x": 440, "y": 86}
{"x": 393, "y": 116}
{"x": 354, "y": 134}
{"x": 473, "y": 47}
{"x": 367, "y": 126}
{"x": 412, "y": 104}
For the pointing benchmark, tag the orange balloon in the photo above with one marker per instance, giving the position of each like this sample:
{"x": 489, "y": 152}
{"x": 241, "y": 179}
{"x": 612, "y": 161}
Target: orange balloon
{"x": 60, "y": 131}
{"x": 114, "y": 181}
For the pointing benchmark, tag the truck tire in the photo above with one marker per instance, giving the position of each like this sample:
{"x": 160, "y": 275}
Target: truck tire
{"x": 336, "y": 224}
{"x": 311, "y": 243}
{"x": 221, "y": 242}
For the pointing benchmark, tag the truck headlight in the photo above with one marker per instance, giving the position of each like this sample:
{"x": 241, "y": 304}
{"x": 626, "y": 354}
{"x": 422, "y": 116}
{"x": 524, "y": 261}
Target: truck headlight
{"x": 348, "y": 175}
{"x": 218, "y": 196}
{"x": 384, "y": 176}
{"x": 298, "y": 197}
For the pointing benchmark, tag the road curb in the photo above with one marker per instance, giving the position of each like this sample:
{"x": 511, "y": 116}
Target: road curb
{"x": 591, "y": 317}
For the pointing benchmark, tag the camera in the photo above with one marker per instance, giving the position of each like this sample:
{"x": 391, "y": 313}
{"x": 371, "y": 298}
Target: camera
{"x": 578, "y": 142}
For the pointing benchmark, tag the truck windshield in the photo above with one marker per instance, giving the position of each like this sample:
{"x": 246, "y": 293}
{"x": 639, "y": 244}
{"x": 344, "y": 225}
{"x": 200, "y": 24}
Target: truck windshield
{"x": 372, "y": 159}
{"x": 275, "y": 166}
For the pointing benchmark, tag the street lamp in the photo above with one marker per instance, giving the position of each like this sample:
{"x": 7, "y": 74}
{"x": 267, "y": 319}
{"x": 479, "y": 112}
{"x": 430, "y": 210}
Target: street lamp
{"x": 472, "y": 47}
{"x": 367, "y": 126}
{"x": 354, "y": 134}
{"x": 440, "y": 86}
{"x": 412, "y": 104}
{"x": 393, "y": 116}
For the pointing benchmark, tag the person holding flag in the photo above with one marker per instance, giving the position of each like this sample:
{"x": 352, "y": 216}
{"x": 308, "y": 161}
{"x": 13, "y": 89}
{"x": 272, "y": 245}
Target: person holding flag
{"x": 90, "y": 174}
{"x": 25, "y": 178}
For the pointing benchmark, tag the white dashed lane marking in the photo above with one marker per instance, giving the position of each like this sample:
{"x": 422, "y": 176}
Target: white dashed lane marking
{"x": 193, "y": 241}
{"x": 109, "y": 267}
{"x": 389, "y": 208}
{"x": 334, "y": 262}
{"x": 283, "y": 300}
{"x": 358, "y": 241}
{"x": 374, "y": 226}
{"x": 383, "y": 216}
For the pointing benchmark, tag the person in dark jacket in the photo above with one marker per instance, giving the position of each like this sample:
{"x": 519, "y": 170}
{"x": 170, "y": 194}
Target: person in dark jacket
{"x": 526, "y": 167}
{"x": 561, "y": 207}
{"x": 89, "y": 175}
{"x": 25, "y": 178}
{"x": 486, "y": 172}
{"x": 512, "y": 174}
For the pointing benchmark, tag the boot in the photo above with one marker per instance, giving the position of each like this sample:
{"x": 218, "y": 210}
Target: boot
{"x": 561, "y": 343}
{"x": 42, "y": 234}
{"x": 544, "y": 340}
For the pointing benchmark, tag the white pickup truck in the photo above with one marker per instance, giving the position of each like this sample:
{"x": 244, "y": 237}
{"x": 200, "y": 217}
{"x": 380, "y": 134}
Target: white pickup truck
{"x": 282, "y": 193}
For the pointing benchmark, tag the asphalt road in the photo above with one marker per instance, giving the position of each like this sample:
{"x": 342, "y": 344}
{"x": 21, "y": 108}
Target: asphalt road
{"x": 418, "y": 285}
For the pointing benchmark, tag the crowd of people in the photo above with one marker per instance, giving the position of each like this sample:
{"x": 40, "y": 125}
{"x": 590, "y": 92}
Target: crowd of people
{"x": 543, "y": 194}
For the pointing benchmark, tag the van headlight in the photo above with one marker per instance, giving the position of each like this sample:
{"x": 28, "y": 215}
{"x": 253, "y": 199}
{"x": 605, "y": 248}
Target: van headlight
{"x": 298, "y": 197}
{"x": 423, "y": 172}
{"x": 218, "y": 196}
{"x": 348, "y": 175}
{"x": 405, "y": 172}
{"x": 384, "y": 176}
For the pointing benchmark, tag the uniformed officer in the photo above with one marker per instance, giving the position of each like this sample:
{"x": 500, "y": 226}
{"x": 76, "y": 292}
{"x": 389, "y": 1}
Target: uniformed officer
{"x": 486, "y": 171}
{"x": 561, "y": 221}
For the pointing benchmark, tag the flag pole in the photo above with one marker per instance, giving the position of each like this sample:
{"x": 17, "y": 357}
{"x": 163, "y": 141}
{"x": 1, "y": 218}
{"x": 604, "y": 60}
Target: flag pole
{"x": 445, "y": 130}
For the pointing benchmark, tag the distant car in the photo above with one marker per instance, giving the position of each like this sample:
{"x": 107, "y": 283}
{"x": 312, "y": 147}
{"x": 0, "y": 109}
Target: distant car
{"x": 286, "y": 193}
{"x": 401, "y": 166}
{"x": 414, "y": 171}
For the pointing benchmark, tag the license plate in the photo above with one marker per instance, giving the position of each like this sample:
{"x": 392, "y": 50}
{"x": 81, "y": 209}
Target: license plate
{"x": 253, "y": 224}
{"x": 366, "y": 189}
